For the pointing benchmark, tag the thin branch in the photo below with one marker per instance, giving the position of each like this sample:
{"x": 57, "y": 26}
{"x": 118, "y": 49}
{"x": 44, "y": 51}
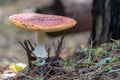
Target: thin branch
{"x": 32, "y": 48}
{"x": 57, "y": 52}
{"x": 22, "y": 45}
{"x": 28, "y": 48}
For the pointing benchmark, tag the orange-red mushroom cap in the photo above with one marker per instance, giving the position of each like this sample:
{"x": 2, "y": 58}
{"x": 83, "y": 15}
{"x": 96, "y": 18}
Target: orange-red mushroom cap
{"x": 42, "y": 22}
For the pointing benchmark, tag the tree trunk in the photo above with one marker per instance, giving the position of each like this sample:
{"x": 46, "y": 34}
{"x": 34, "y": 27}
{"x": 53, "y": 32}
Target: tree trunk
{"x": 105, "y": 23}
{"x": 115, "y": 19}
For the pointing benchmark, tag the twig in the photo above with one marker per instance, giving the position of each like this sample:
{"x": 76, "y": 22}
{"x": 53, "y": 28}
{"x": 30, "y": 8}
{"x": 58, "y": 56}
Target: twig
{"x": 28, "y": 48}
{"x": 28, "y": 53}
{"x": 48, "y": 50}
{"x": 114, "y": 70}
{"x": 89, "y": 53}
{"x": 32, "y": 48}
{"x": 22, "y": 45}
{"x": 47, "y": 73}
{"x": 58, "y": 50}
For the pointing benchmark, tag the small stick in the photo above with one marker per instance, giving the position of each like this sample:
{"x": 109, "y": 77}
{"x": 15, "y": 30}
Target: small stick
{"x": 32, "y": 48}
{"x": 28, "y": 51}
{"x": 22, "y": 45}
{"x": 57, "y": 52}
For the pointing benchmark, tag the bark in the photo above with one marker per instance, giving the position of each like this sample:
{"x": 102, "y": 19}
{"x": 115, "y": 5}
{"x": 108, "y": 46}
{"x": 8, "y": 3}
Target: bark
{"x": 115, "y": 19}
{"x": 100, "y": 32}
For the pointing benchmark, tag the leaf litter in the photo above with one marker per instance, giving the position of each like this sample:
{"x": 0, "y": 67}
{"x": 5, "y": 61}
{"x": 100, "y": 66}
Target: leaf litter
{"x": 99, "y": 63}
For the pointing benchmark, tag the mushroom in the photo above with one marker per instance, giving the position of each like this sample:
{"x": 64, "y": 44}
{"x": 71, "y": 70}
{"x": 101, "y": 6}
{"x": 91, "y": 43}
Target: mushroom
{"x": 41, "y": 23}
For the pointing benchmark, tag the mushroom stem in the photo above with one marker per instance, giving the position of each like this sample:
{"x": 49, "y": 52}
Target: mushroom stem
{"x": 40, "y": 51}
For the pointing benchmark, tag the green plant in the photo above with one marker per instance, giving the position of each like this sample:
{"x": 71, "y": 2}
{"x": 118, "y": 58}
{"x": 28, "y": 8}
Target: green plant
{"x": 38, "y": 78}
{"x": 109, "y": 68}
{"x": 70, "y": 63}
{"x": 36, "y": 63}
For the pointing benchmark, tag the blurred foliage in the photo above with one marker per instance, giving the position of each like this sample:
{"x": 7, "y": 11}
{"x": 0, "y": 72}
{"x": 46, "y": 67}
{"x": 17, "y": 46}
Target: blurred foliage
{"x": 5, "y": 2}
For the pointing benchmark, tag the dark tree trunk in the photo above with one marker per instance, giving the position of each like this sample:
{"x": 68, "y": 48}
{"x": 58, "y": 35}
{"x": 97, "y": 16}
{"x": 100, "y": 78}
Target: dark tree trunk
{"x": 105, "y": 24}
{"x": 115, "y": 19}
{"x": 97, "y": 14}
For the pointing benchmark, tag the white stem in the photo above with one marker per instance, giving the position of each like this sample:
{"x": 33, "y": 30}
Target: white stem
{"x": 40, "y": 51}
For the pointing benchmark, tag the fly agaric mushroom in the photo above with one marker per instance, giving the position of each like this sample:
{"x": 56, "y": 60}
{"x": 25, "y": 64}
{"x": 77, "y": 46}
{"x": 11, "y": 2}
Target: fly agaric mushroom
{"x": 41, "y": 23}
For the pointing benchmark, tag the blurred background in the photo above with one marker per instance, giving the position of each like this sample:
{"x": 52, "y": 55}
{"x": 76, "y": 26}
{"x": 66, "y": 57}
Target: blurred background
{"x": 78, "y": 36}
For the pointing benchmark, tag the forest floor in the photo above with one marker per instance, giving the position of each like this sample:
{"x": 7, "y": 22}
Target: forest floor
{"x": 85, "y": 63}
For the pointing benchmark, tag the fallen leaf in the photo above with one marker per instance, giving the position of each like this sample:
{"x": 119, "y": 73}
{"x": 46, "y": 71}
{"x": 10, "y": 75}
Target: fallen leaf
{"x": 17, "y": 66}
